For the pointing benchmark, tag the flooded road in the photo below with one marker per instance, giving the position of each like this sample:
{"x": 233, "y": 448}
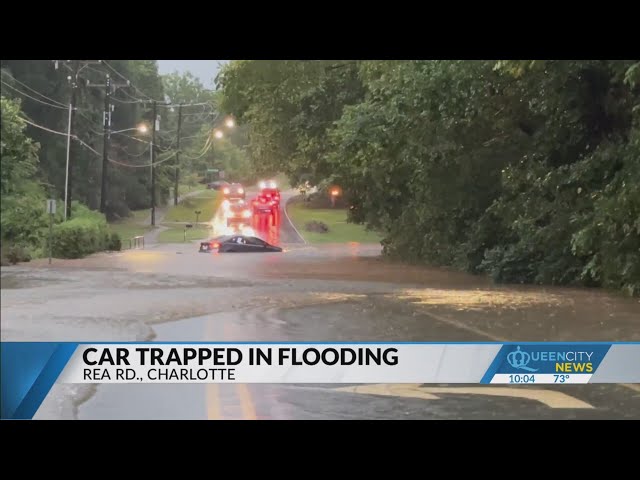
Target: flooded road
{"x": 342, "y": 292}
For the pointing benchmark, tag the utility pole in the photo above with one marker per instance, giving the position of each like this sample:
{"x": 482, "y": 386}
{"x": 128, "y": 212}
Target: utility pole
{"x": 72, "y": 114}
{"x": 177, "y": 173}
{"x": 110, "y": 88}
{"x": 105, "y": 145}
{"x": 76, "y": 68}
{"x": 153, "y": 159}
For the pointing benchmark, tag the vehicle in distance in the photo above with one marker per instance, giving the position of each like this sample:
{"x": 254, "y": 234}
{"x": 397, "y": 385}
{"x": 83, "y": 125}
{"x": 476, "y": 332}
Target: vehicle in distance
{"x": 234, "y": 191}
{"x": 270, "y": 191}
{"x": 261, "y": 204}
{"x": 238, "y": 212}
{"x": 238, "y": 244}
{"x": 217, "y": 185}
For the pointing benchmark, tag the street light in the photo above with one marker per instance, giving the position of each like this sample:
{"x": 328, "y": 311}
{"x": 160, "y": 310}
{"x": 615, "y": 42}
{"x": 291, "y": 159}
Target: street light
{"x": 142, "y": 128}
{"x": 219, "y": 135}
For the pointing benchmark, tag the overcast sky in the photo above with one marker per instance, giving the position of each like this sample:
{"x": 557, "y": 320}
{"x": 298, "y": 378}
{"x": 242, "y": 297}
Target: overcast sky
{"x": 205, "y": 70}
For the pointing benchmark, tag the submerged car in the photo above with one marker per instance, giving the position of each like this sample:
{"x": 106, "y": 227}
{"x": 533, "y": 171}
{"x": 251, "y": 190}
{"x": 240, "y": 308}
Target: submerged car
{"x": 238, "y": 244}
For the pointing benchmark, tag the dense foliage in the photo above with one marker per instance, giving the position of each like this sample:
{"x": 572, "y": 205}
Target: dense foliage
{"x": 528, "y": 171}
{"x": 22, "y": 210}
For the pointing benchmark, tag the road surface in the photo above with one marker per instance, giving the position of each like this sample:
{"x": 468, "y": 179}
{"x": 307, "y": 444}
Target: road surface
{"x": 307, "y": 293}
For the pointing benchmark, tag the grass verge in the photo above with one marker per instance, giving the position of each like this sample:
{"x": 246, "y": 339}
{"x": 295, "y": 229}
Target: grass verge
{"x": 336, "y": 219}
{"x": 207, "y": 202}
{"x": 182, "y": 189}
{"x": 131, "y": 227}
{"x": 177, "y": 234}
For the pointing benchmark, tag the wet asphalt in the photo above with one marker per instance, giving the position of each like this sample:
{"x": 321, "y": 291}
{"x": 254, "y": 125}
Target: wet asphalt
{"x": 308, "y": 293}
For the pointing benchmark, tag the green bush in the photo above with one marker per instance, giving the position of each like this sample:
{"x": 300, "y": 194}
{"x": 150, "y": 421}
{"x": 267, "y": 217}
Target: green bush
{"x": 84, "y": 234}
{"x": 13, "y": 254}
{"x": 115, "y": 244}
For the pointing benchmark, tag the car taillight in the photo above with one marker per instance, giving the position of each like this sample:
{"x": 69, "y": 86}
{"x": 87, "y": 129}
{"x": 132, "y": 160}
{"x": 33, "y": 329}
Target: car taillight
{"x": 215, "y": 245}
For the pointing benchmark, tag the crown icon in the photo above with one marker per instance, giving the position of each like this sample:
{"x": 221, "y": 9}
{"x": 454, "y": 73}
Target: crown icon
{"x": 518, "y": 358}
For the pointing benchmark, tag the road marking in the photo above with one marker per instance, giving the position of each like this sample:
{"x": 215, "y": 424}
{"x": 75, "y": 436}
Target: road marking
{"x": 284, "y": 208}
{"x": 464, "y": 326}
{"x": 550, "y": 398}
{"x": 632, "y": 386}
{"x": 213, "y": 401}
{"x": 212, "y": 390}
{"x": 391, "y": 390}
{"x": 246, "y": 403}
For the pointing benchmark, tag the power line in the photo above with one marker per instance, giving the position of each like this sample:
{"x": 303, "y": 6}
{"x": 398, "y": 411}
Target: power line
{"x": 144, "y": 165}
{"x": 32, "y": 90}
{"x": 126, "y": 80}
{"x": 46, "y": 129}
{"x": 129, "y": 102}
{"x": 32, "y": 98}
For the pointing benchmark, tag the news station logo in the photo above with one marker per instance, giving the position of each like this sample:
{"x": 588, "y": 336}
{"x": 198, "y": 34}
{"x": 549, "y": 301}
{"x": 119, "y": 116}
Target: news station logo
{"x": 561, "y": 360}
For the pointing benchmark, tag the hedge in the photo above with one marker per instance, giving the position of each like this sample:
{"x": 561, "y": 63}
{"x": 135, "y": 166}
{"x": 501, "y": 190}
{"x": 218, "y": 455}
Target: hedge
{"x": 86, "y": 233}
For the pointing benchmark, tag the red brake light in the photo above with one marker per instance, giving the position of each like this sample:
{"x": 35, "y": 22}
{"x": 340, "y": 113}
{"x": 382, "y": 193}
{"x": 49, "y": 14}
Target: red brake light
{"x": 215, "y": 245}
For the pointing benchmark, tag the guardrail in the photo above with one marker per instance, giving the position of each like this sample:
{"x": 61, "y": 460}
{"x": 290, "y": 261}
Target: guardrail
{"x": 136, "y": 242}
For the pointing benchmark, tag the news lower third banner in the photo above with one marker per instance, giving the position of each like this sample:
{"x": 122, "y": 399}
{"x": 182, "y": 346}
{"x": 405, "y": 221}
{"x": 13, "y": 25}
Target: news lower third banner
{"x": 29, "y": 370}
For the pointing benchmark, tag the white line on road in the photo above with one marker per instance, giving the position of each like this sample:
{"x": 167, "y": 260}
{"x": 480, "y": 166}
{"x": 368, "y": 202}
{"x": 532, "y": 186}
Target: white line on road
{"x": 284, "y": 209}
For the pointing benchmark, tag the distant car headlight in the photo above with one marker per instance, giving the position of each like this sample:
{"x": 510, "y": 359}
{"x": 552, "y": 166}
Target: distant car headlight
{"x": 246, "y": 213}
{"x": 241, "y": 191}
{"x": 226, "y": 191}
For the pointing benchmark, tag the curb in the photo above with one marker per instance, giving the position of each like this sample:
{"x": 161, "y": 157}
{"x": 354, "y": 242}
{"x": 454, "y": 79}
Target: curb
{"x": 291, "y": 223}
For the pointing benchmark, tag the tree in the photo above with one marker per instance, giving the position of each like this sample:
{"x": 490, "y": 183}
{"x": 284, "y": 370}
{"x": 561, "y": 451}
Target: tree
{"x": 23, "y": 206}
{"x": 525, "y": 170}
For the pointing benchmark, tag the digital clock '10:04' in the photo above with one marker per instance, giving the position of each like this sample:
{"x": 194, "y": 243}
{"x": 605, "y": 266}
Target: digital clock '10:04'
{"x": 522, "y": 378}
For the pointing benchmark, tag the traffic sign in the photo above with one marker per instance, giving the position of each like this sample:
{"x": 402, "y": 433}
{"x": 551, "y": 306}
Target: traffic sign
{"x": 51, "y": 207}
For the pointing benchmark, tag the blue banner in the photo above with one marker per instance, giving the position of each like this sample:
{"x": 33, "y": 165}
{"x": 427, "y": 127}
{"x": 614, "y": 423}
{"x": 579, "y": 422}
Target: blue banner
{"x": 28, "y": 371}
